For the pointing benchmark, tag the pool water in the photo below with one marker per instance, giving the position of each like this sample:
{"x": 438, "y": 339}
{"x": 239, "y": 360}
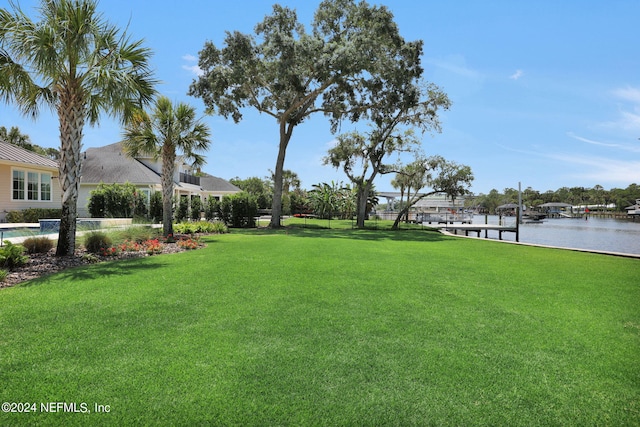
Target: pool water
{"x": 8, "y": 233}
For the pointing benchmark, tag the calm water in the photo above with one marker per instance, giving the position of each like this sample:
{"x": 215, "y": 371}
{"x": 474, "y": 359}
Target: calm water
{"x": 8, "y": 233}
{"x": 606, "y": 234}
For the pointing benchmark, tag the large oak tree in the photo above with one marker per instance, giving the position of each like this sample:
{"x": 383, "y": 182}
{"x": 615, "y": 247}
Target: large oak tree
{"x": 338, "y": 69}
{"x": 402, "y": 106}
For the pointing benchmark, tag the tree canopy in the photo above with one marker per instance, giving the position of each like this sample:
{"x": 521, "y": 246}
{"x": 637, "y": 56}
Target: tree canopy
{"x": 340, "y": 69}
{"x": 166, "y": 132}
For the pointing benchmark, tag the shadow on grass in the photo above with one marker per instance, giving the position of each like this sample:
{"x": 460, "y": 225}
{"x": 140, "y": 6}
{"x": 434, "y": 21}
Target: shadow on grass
{"x": 370, "y": 233}
{"x": 119, "y": 268}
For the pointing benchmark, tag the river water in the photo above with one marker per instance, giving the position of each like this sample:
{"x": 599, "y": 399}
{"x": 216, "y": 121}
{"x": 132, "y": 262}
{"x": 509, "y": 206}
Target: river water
{"x": 601, "y": 234}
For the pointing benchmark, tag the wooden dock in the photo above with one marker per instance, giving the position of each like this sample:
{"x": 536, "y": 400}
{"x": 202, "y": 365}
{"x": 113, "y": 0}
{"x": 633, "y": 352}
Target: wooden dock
{"x": 477, "y": 228}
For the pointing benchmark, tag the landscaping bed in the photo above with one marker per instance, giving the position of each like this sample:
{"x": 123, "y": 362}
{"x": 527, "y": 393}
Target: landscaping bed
{"x": 41, "y": 264}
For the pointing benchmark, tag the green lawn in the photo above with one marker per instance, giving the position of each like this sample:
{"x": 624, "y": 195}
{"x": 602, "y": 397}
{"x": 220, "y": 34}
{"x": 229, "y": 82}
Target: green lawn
{"x": 330, "y": 327}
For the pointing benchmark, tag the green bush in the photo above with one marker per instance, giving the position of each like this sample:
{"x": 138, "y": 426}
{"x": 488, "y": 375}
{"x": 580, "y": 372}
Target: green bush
{"x": 219, "y": 227}
{"x": 182, "y": 211}
{"x": 211, "y": 208}
{"x": 239, "y": 210}
{"x": 3, "y": 275}
{"x": 12, "y": 256}
{"x": 200, "y": 227}
{"x": 32, "y": 215}
{"x": 196, "y": 208}
{"x": 97, "y": 241}
{"x": 116, "y": 201}
{"x": 155, "y": 207}
{"x": 15, "y": 216}
{"x": 38, "y": 245}
{"x": 136, "y": 234}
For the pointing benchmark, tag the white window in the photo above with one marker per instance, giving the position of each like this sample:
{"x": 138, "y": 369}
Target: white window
{"x": 45, "y": 187}
{"x": 33, "y": 181}
{"x": 18, "y": 185}
{"x": 31, "y": 185}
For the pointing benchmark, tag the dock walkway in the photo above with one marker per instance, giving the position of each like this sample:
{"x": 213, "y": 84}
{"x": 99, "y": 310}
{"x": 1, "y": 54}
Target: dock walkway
{"x": 477, "y": 228}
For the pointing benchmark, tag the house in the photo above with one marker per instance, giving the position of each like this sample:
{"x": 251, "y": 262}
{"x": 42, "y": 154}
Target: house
{"x": 109, "y": 165}
{"x": 27, "y": 180}
{"x": 634, "y": 210}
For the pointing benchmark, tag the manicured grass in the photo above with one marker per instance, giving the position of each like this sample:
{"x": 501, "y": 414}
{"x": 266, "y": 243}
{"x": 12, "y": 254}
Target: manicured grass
{"x": 330, "y": 327}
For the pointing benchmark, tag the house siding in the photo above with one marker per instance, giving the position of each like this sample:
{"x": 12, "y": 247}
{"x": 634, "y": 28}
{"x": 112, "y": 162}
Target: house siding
{"x": 7, "y": 204}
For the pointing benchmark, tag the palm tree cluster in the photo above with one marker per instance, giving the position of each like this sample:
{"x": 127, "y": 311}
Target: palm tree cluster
{"x": 79, "y": 65}
{"x": 336, "y": 200}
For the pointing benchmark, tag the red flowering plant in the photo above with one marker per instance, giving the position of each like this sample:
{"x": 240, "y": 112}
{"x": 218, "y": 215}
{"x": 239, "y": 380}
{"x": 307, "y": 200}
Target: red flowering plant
{"x": 110, "y": 251}
{"x": 153, "y": 246}
{"x": 130, "y": 246}
{"x": 190, "y": 243}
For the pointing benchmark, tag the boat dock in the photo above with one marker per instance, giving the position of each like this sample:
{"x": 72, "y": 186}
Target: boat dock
{"x": 478, "y": 228}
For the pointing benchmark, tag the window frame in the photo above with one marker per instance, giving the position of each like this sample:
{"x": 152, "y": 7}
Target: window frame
{"x": 31, "y": 185}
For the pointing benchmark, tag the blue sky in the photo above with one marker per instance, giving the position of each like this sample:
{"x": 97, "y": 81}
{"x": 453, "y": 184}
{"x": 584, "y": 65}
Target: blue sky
{"x": 546, "y": 93}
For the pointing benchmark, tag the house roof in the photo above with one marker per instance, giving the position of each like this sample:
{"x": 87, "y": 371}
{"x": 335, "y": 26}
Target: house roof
{"x": 213, "y": 183}
{"x": 12, "y": 153}
{"x": 109, "y": 164}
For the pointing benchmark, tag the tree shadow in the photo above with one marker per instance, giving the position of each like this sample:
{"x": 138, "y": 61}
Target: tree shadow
{"x": 372, "y": 234}
{"x": 120, "y": 268}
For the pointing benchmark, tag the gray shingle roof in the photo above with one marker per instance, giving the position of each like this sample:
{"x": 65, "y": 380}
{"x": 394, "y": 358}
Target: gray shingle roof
{"x": 11, "y": 153}
{"x": 213, "y": 183}
{"x": 109, "y": 164}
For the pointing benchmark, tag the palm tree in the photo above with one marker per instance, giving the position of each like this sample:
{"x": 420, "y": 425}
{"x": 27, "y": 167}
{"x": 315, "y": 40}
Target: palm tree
{"x": 167, "y": 132}
{"x": 75, "y": 62}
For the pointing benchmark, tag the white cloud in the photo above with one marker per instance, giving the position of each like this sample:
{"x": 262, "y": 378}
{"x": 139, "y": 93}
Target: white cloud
{"x": 629, "y": 115}
{"x": 602, "y": 169}
{"x": 516, "y": 75}
{"x": 626, "y": 147}
{"x": 194, "y": 69}
{"x": 629, "y": 94}
{"x": 457, "y": 65}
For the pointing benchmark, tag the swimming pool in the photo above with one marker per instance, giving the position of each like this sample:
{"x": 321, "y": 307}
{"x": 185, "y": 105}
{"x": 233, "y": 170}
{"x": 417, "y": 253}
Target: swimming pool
{"x": 8, "y": 233}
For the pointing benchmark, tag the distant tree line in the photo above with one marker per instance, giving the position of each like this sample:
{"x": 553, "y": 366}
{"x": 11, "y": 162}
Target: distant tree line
{"x": 620, "y": 197}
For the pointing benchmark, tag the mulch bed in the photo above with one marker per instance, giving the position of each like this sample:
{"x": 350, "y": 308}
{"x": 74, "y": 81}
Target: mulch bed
{"x": 42, "y": 264}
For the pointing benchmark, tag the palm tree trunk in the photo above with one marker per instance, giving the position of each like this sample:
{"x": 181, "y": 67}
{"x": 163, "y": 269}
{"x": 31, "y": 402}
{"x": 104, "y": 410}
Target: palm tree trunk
{"x": 168, "y": 169}
{"x": 71, "y": 116}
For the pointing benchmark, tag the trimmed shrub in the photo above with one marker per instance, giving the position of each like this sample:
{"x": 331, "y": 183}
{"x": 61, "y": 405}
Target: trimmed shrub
{"x": 97, "y": 242}
{"x": 32, "y": 215}
{"x": 38, "y": 245}
{"x": 239, "y": 210}
{"x": 155, "y": 207}
{"x": 200, "y": 227}
{"x": 116, "y": 201}
{"x": 15, "y": 216}
{"x": 211, "y": 208}
{"x": 196, "y": 208}
{"x": 12, "y": 256}
{"x": 182, "y": 212}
